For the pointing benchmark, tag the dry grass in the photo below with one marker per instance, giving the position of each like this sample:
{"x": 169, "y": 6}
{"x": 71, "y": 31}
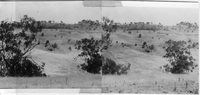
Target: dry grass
{"x": 144, "y": 76}
{"x": 50, "y": 82}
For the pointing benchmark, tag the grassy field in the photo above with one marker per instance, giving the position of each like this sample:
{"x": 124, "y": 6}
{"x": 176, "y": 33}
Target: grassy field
{"x": 145, "y": 75}
{"x": 55, "y": 82}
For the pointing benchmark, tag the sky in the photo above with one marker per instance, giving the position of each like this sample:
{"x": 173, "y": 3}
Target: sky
{"x": 74, "y": 11}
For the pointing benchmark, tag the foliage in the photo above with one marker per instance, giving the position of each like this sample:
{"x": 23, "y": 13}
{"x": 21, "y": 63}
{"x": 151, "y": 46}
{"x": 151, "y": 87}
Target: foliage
{"x": 15, "y": 58}
{"x": 88, "y": 24}
{"x": 142, "y": 26}
{"x": 151, "y": 47}
{"x": 54, "y": 45}
{"x": 50, "y": 46}
{"x": 93, "y": 48}
{"x": 47, "y": 43}
{"x": 108, "y": 26}
{"x": 110, "y": 67}
{"x": 42, "y": 34}
{"x": 187, "y": 26}
{"x": 193, "y": 45}
{"x": 70, "y": 48}
{"x": 135, "y": 44}
{"x": 179, "y": 57}
{"x": 147, "y": 48}
{"x": 144, "y": 44}
{"x": 140, "y": 35}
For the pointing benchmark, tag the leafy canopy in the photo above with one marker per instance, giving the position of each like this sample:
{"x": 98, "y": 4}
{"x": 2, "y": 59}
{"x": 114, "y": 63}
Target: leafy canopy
{"x": 179, "y": 57}
{"x": 15, "y": 47}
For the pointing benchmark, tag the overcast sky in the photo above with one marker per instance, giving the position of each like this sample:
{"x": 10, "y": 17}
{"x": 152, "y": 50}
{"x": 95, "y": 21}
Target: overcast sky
{"x": 73, "y": 11}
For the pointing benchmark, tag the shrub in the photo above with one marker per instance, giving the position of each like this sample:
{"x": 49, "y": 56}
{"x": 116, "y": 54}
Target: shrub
{"x": 94, "y": 60}
{"x": 167, "y": 67}
{"x": 68, "y": 40}
{"x": 92, "y": 49}
{"x": 50, "y": 47}
{"x": 147, "y": 48}
{"x": 110, "y": 67}
{"x": 192, "y": 44}
{"x": 179, "y": 57}
{"x": 70, "y": 48}
{"x": 195, "y": 45}
{"x": 144, "y": 44}
{"x": 47, "y": 43}
{"x": 24, "y": 68}
{"x": 135, "y": 44}
{"x": 151, "y": 47}
{"x": 42, "y": 34}
{"x": 140, "y": 35}
{"x": 123, "y": 69}
{"x": 15, "y": 59}
{"x": 54, "y": 45}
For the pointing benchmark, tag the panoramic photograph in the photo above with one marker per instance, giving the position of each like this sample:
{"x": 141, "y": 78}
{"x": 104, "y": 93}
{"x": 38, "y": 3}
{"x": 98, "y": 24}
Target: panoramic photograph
{"x": 69, "y": 45}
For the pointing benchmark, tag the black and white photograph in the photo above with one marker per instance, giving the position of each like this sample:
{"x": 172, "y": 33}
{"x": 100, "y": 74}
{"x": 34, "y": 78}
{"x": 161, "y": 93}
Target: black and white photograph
{"x": 100, "y": 46}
